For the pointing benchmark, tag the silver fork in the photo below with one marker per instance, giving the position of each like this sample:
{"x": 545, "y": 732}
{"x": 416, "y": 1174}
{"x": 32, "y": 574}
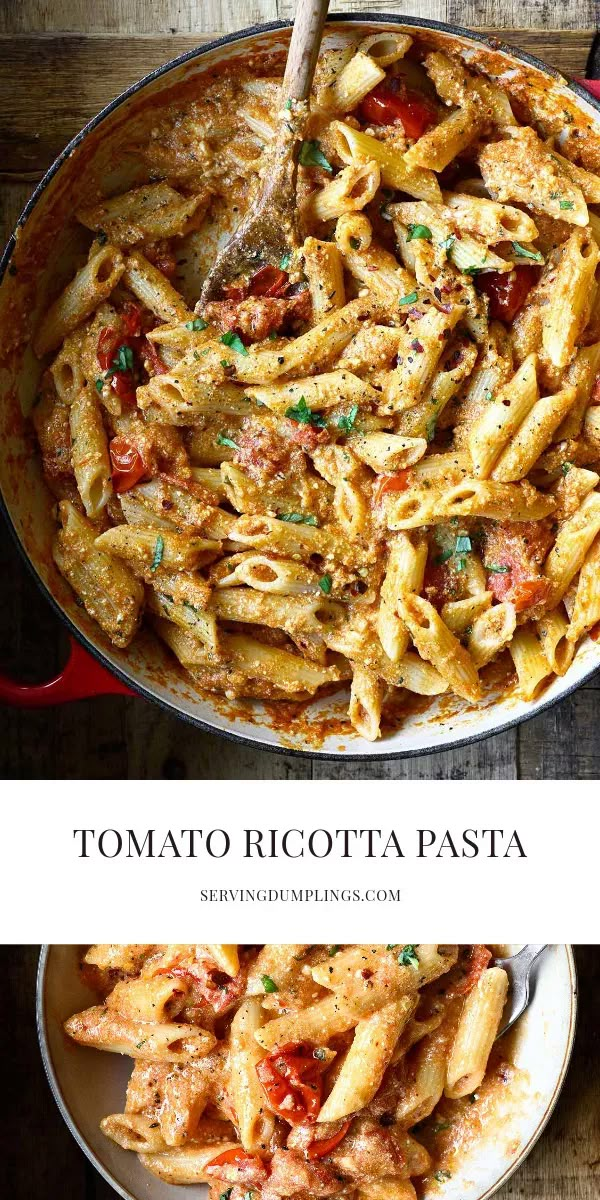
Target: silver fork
{"x": 518, "y": 968}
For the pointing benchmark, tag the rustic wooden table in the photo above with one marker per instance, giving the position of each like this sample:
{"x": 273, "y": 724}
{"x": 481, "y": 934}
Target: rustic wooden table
{"x": 59, "y": 62}
{"x": 43, "y": 1160}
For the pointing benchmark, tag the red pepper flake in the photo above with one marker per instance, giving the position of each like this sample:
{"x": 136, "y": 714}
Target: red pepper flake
{"x": 416, "y": 346}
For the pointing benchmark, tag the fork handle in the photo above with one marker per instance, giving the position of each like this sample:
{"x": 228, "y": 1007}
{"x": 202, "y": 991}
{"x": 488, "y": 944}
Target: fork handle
{"x": 304, "y": 48}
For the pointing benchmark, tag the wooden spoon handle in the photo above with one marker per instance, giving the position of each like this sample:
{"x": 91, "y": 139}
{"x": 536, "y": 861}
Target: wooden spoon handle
{"x": 304, "y": 48}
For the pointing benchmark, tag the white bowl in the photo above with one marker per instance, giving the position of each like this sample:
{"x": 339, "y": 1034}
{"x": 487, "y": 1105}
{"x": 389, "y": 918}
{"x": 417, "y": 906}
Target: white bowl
{"x": 46, "y": 242}
{"x": 88, "y": 1084}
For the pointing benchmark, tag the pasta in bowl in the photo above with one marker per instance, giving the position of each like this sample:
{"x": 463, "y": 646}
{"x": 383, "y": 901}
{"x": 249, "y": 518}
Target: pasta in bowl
{"x": 370, "y": 466}
{"x": 298, "y": 1073}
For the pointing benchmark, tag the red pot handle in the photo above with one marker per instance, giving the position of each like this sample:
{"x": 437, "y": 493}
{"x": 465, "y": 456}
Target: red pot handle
{"x": 592, "y": 86}
{"x": 82, "y": 676}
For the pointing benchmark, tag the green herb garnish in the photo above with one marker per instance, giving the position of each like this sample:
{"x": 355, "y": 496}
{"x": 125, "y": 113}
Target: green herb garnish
{"x": 442, "y": 1175}
{"x": 269, "y": 984}
{"x": 311, "y": 155}
{"x": 443, "y": 557}
{"x": 566, "y": 204}
{"x": 430, "y": 428}
{"x": 523, "y": 252}
{"x": 419, "y": 231}
{"x": 295, "y": 518}
{"x": 302, "y": 413}
{"x": 288, "y": 105}
{"x": 346, "y": 423}
{"x": 99, "y": 385}
{"x": 325, "y": 584}
{"x": 285, "y": 261}
{"x": 463, "y": 544}
{"x": 123, "y": 361}
{"x": 566, "y": 467}
{"x": 496, "y": 569}
{"x": 448, "y": 243}
{"x": 159, "y": 549}
{"x": 233, "y": 340}
{"x": 410, "y": 299}
{"x": 222, "y": 440}
{"x": 333, "y": 951}
{"x": 442, "y": 1125}
{"x": 407, "y": 957}
{"x": 391, "y": 947}
{"x": 197, "y": 324}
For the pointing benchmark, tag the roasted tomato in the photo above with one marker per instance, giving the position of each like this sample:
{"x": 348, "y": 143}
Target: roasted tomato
{"x": 507, "y": 292}
{"x": 116, "y": 354}
{"x": 399, "y": 482}
{"x": 269, "y": 281}
{"x": 514, "y": 553}
{"x": 392, "y": 101}
{"x": 153, "y": 359}
{"x": 291, "y": 1080}
{"x": 237, "y": 1166}
{"x": 467, "y": 971}
{"x": 320, "y": 1149}
{"x": 131, "y": 316}
{"x": 307, "y": 436}
{"x": 128, "y": 466}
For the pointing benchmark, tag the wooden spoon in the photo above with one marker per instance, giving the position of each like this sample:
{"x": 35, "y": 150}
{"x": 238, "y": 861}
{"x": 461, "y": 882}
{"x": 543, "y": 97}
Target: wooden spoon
{"x": 268, "y": 232}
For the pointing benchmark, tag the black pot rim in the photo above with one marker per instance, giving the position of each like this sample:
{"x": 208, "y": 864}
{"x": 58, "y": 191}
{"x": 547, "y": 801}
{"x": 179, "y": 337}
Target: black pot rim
{"x": 141, "y": 689}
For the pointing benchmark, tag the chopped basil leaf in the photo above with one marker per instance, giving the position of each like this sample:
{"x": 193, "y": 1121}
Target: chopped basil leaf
{"x": 461, "y": 564}
{"x": 473, "y": 270}
{"x": 269, "y": 984}
{"x": 273, "y": 335}
{"x": 523, "y": 252}
{"x": 430, "y": 428}
{"x": 325, "y": 584}
{"x": 333, "y": 951}
{"x": 123, "y": 361}
{"x": 99, "y": 385}
{"x": 285, "y": 261}
{"x": 410, "y": 299}
{"x": 566, "y": 467}
{"x": 566, "y": 204}
{"x": 138, "y": 1045}
{"x": 159, "y": 548}
{"x": 442, "y": 1175}
{"x": 463, "y": 544}
{"x": 443, "y": 557}
{"x": 407, "y": 957}
{"x": 225, "y": 364}
{"x": 496, "y": 569}
{"x": 448, "y": 243}
{"x": 223, "y": 440}
{"x": 311, "y": 155}
{"x": 419, "y": 231}
{"x": 298, "y": 518}
{"x": 226, "y": 1195}
{"x": 197, "y": 324}
{"x": 391, "y": 946}
{"x": 442, "y": 1125}
{"x": 236, "y": 343}
{"x": 487, "y": 395}
{"x": 302, "y": 413}
{"x": 347, "y": 422}
{"x": 288, "y": 105}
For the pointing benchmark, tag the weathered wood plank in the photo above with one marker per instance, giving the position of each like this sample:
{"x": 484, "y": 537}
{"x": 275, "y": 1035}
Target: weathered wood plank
{"x": 494, "y": 758}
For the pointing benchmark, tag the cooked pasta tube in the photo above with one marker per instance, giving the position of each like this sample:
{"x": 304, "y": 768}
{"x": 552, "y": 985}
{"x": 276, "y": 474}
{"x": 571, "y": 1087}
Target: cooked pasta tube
{"x": 569, "y": 301}
{"x": 350, "y": 190}
{"x": 324, "y": 270}
{"x": 254, "y": 1121}
{"x": 279, "y": 962}
{"x": 459, "y": 615}
{"x": 477, "y": 1028}
{"x": 502, "y": 417}
{"x": 366, "y": 700}
{"x": 385, "y": 48}
{"x": 436, "y": 148}
{"x": 552, "y": 631}
{"x": 533, "y": 435}
{"x": 573, "y": 540}
{"x": 387, "y": 1188}
{"x": 354, "y": 146}
{"x": 89, "y": 453}
{"x": 320, "y": 392}
{"x": 298, "y": 614}
{"x": 392, "y": 971}
{"x": 154, "y": 1000}
{"x": 438, "y": 645}
{"x": 360, "y": 75}
{"x": 226, "y": 957}
{"x": 418, "y": 354}
{"x": 372, "y": 265}
{"x": 430, "y": 1064}
{"x": 167, "y": 1042}
{"x": 275, "y": 575}
{"x": 532, "y": 666}
{"x": 188, "y": 616}
{"x": 586, "y": 609}
{"x": 134, "y": 1131}
{"x": 92, "y": 284}
{"x": 404, "y": 572}
{"x": 370, "y": 1053}
{"x": 491, "y": 631}
{"x": 471, "y": 498}
{"x": 109, "y": 591}
{"x": 388, "y": 452}
{"x": 171, "y": 551}
{"x": 489, "y": 220}
{"x": 185, "y": 1164}
{"x": 154, "y": 290}
{"x": 147, "y": 213}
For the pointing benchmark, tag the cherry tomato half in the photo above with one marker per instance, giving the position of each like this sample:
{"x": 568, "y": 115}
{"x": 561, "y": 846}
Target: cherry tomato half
{"x": 386, "y": 104}
{"x": 237, "y": 1166}
{"x": 507, "y": 291}
{"x": 320, "y": 1149}
{"x": 291, "y": 1080}
{"x": 399, "y": 482}
{"x": 128, "y": 466}
{"x": 269, "y": 281}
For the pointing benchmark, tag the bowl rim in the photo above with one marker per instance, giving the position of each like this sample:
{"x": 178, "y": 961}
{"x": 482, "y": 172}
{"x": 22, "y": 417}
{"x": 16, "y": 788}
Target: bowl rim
{"x": 130, "y": 679}
{"x": 41, "y": 1025}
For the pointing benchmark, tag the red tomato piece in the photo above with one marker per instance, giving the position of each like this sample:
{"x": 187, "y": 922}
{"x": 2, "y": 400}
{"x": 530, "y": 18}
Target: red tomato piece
{"x": 320, "y": 1149}
{"x": 291, "y": 1081}
{"x": 237, "y": 1166}
{"x": 108, "y": 344}
{"x": 529, "y": 592}
{"x": 507, "y": 291}
{"x": 390, "y": 102}
{"x": 595, "y": 394}
{"x": 153, "y": 357}
{"x": 400, "y": 482}
{"x": 128, "y": 466}
{"x": 308, "y": 436}
{"x": 466, "y": 975}
{"x": 131, "y": 316}
{"x": 269, "y": 281}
